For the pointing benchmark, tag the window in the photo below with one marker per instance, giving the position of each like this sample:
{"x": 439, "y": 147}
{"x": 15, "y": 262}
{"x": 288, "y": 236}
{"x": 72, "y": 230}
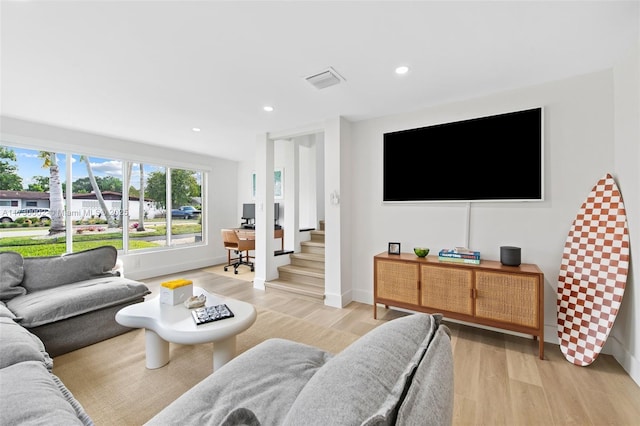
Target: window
{"x": 186, "y": 217}
{"x": 112, "y": 202}
{"x": 145, "y": 212}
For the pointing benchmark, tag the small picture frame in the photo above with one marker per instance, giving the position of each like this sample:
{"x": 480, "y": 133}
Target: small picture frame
{"x": 394, "y": 248}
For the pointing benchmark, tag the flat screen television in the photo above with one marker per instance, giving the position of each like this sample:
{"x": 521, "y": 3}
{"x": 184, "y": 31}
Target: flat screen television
{"x": 494, "y": 158}
{"x": 249, "y": 212}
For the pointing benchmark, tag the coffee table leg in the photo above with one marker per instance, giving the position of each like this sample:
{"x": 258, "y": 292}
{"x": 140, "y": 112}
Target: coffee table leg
{"x": 157, "y": 350}
{"x": 223, "y": 352}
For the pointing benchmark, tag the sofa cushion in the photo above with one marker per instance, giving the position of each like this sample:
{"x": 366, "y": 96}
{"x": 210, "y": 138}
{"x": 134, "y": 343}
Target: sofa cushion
{"x": 21, "y": 345}
{"x": 388, "y": 411}
{"x": 429, "y": 399}
{"x": 11, "y": 275}
{"x": 6, "y": 312}
{"x": 263, "y": 382}
{"x": 31, "y": 395}
{"x": 41, "y": 273}
{"x": 55, "y": 304}
{"x": 365, "y": 382}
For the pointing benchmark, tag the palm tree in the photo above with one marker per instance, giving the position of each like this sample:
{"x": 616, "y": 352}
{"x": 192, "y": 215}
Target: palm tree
{"x": 125, "y": 205}
{"x": 96, "y": 190}
{"x": 141, "y": 200}
{"x": 56, "y": 201}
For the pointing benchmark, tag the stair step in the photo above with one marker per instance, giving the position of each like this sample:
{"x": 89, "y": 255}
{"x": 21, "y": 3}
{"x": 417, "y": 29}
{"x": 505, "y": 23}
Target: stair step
{"x": 312, "y": 243}
{"x": 302, "y": 275}
{"x": 308, "y": 291}
{"x": 317, "y": 236}
{"x": 301, "y": 270}
{"x": 308, "y": 256}
{"x": 308, "y": 260}
{"x": 312, "y": 247}
{"x": 314, "y": 264}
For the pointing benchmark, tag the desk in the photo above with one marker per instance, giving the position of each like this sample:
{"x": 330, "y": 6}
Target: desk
{"x": 250, "y": 234}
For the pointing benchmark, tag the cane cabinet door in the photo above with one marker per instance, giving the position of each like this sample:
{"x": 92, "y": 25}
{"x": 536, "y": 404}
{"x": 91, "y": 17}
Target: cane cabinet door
{"x": 447, "y": 289}
{"x": 397, "y": 281}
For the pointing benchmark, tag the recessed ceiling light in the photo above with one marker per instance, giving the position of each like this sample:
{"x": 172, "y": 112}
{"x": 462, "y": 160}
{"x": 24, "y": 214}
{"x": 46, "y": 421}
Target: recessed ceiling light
{"x": 268, "y": 108}
{"x": 402, "y": 70}
{"x": 196, "y": 129}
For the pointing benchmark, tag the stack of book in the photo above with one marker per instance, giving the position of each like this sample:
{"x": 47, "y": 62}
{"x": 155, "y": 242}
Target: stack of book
{"x": 459, "y": 255}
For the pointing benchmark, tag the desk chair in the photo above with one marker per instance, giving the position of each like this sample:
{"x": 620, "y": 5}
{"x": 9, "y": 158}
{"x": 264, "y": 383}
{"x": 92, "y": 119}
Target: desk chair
{"x": 238, "y": 241}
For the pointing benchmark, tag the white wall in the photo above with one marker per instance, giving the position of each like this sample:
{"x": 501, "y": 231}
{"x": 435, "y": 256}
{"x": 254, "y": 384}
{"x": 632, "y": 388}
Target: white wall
{"x": 625, "y": 341}
{"x": 579, "y": 149}
{"x": 220, "y": 189}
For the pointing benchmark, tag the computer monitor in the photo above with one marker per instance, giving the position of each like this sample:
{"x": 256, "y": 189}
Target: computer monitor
{"x": 248, "y": 211}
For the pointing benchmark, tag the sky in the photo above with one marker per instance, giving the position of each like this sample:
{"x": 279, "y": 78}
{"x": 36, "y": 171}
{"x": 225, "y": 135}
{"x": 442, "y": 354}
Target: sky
{"x": 29, "y": 165}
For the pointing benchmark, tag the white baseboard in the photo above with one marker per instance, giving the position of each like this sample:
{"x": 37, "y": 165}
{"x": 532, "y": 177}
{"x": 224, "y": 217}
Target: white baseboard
{"x": 258, "y": 283}
{"x": 337, "y": 300}
{"x": 159, "y": 270}
{"x": 630, "y": 364}
{"x": 613, "y": 347}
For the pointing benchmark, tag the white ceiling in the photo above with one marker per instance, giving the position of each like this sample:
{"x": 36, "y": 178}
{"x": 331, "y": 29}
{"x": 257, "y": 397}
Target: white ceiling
{"x": 150, "y": 71}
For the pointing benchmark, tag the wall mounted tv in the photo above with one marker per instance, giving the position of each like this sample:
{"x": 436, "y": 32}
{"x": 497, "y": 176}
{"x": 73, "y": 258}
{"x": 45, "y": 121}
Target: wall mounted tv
{"x": 494, "y": 158}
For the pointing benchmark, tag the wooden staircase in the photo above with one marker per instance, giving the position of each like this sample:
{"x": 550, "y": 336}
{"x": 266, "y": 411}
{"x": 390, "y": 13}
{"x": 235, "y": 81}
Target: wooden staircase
{"x": 304, "y": 276}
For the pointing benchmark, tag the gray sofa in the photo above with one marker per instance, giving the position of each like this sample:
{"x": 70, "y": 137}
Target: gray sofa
{"x": 399, "y": 373}
{"x": 30, "y": 394}
{"x": 50, "y": 306}
{"x": 68, "y": 301}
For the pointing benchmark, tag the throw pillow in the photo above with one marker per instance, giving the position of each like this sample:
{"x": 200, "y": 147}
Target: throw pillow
{"x": 11, "y": 275}
{"x": 41, "y": 273}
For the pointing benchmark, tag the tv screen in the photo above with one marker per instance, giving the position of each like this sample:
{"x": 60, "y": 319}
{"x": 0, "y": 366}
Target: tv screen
{"x": 495, "y": 158}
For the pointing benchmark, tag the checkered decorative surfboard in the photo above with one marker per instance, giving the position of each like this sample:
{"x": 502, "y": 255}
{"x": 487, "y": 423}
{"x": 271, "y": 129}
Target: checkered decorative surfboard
{"x": 593, "y": 273}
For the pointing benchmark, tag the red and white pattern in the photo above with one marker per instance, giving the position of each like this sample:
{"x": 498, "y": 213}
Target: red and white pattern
{"x": 593, "y": 273}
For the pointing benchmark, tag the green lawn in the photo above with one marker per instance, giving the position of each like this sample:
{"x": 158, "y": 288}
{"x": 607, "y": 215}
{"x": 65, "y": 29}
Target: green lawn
{"x": 39, "y": 246}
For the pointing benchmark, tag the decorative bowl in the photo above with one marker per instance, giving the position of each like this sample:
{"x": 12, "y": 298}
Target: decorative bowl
{"x": 421, "y": 251}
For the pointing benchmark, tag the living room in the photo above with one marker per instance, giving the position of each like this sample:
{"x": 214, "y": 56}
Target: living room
{"x": 591, "y": 128}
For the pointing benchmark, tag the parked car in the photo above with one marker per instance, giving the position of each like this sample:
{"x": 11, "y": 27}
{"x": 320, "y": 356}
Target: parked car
{"x": 191, "y": 210}
{"x": 38, "y": 213}
{"x": 181, "y": 214}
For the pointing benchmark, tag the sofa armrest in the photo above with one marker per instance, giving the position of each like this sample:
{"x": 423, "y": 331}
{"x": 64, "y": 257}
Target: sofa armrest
{"x": 119, "y": 267}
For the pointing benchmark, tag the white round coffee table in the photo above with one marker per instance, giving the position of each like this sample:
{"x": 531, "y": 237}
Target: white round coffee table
{"x": 166, "y": 323}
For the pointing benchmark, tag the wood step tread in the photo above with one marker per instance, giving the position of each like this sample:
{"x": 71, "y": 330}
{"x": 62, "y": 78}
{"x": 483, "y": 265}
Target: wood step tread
{"x": 302, "y": 270}
{"x": 308, "y": 256}
{"x": 302, "y": 289}
{"x": 312, "y": 243}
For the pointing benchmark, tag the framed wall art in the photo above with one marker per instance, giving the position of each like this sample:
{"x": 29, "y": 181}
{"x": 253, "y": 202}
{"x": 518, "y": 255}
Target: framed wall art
{"x": 278, "y": 184}
{"x": 394, "y": 248}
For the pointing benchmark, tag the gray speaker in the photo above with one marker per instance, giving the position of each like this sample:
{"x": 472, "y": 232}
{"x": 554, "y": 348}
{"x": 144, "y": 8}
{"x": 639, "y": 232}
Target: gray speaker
{"x": 510, "y": 256}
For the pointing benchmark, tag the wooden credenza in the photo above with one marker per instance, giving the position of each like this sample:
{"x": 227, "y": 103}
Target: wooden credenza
{"x": 490, "y": 294}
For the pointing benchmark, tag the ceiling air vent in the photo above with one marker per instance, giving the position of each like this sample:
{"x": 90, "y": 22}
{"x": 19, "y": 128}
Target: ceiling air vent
{"x": 326, "y": 78}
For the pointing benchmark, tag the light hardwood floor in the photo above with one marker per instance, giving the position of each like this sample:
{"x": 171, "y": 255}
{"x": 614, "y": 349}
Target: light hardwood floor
{"x": 499, "y": 379}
